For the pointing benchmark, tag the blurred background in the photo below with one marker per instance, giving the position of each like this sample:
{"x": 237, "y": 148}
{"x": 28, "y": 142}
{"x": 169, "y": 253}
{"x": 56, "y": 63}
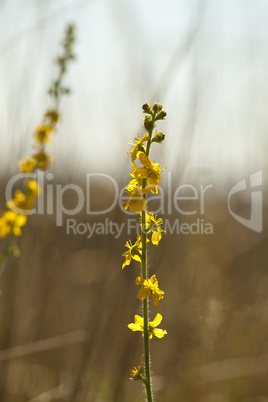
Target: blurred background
{"x": 65, "y": 303}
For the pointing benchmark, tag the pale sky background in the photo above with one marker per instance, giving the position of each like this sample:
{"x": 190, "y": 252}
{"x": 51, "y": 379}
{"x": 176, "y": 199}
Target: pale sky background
{"x": 205, "y": 61}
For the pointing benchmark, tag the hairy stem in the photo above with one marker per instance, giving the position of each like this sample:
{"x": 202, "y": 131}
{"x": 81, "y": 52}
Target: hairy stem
{"x": 147, "y": 381}
{"x": 145, "y": 316}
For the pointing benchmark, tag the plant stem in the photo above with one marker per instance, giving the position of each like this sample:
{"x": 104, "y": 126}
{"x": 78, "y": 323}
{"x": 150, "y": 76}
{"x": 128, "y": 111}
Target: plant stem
{"x": 147, "y": 381}
{"x": 5, "y": 252}
{"x": 145, "y": 315}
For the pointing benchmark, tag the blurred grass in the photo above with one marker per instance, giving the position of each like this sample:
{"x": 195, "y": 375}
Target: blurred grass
{"x": 215, "y": 312}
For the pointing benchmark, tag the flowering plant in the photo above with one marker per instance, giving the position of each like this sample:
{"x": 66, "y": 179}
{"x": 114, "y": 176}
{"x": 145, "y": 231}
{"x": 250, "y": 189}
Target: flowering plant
{"x": 145, "y": 178}
{"x": 14, "y": 217}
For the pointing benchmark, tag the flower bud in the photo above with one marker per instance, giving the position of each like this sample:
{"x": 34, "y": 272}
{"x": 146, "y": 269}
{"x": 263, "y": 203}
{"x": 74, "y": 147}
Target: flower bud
{"x": 159, "y": 137}
{"x": 157, "y": 107}
{"x": 161, "y": 115}
{"x": 146, "y": 108}
{"x": 148, "y": 124}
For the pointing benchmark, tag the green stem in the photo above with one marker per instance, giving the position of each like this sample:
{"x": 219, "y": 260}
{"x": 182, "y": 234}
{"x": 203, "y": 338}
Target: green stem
{"x": 147, "y": 380}
{"x": 5, "y": 252}
{"x": 145, "y": 315}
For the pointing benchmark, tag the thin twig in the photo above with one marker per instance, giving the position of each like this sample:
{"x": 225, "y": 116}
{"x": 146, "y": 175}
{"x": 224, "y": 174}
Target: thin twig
{"x": 43, "y": 345}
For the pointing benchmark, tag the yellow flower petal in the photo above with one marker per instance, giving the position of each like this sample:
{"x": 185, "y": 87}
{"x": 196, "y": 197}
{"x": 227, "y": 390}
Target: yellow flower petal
{"x": 134, "y": 327}
{"x": 21, "y": 220}
{"x": 159, "y": 333}
{"x": 136, "y": 258}
{"x": 139, "y": 173}
{"x": 144, "y": 293}
{"x": 140, "y": 280}
{"x": 154, "y": 280}
{"x": 146, "y": 161}
{"x": 138, "y": 320}
{"x": 126, "y": 262}
{"x": 157, "y": 297}
{"x": 157, "y": 320}
{"x": 17, "y": 231}
{"x": 156, "y": 237}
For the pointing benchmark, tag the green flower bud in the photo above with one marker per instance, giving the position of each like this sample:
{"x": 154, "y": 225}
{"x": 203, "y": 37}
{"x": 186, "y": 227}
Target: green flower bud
{"x": 159, "y": 137}
{"x": 148, "y": 124}
{"x": 157, "y": 107}
{"x": 161, "y": 115}
{"x": 146, "y": 108}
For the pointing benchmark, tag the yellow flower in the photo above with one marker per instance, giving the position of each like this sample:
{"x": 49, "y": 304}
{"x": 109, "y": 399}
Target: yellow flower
{"x": 153, "y": 225}
{"x": 24, "y": 201}
{"x": 20, "y": 201}
{"x": 137, "y": 184}
{"x": 138, "y": 147}
{"x": 134, "y": 251}
{"x": 134, "y": 184}
{"x": 43, "y": 133}
{"x": 139, "y": 326}
{"x": 150, "y": 287}
{"x": 150, "y": 171}
{"x": 27, "y": 165}
{"x": 136, "y": 372}
{"x": 136, "y": 202}
{"x": 10, "y": 222}
{"x": 33, "y": 189}
{"x": 42, "y": 159}
{"x": 3, "y": 227}
{"x": 139, "y": 172}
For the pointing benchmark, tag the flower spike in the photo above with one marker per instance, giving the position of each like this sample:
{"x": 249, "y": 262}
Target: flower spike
{"x": 146, "y": 176}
